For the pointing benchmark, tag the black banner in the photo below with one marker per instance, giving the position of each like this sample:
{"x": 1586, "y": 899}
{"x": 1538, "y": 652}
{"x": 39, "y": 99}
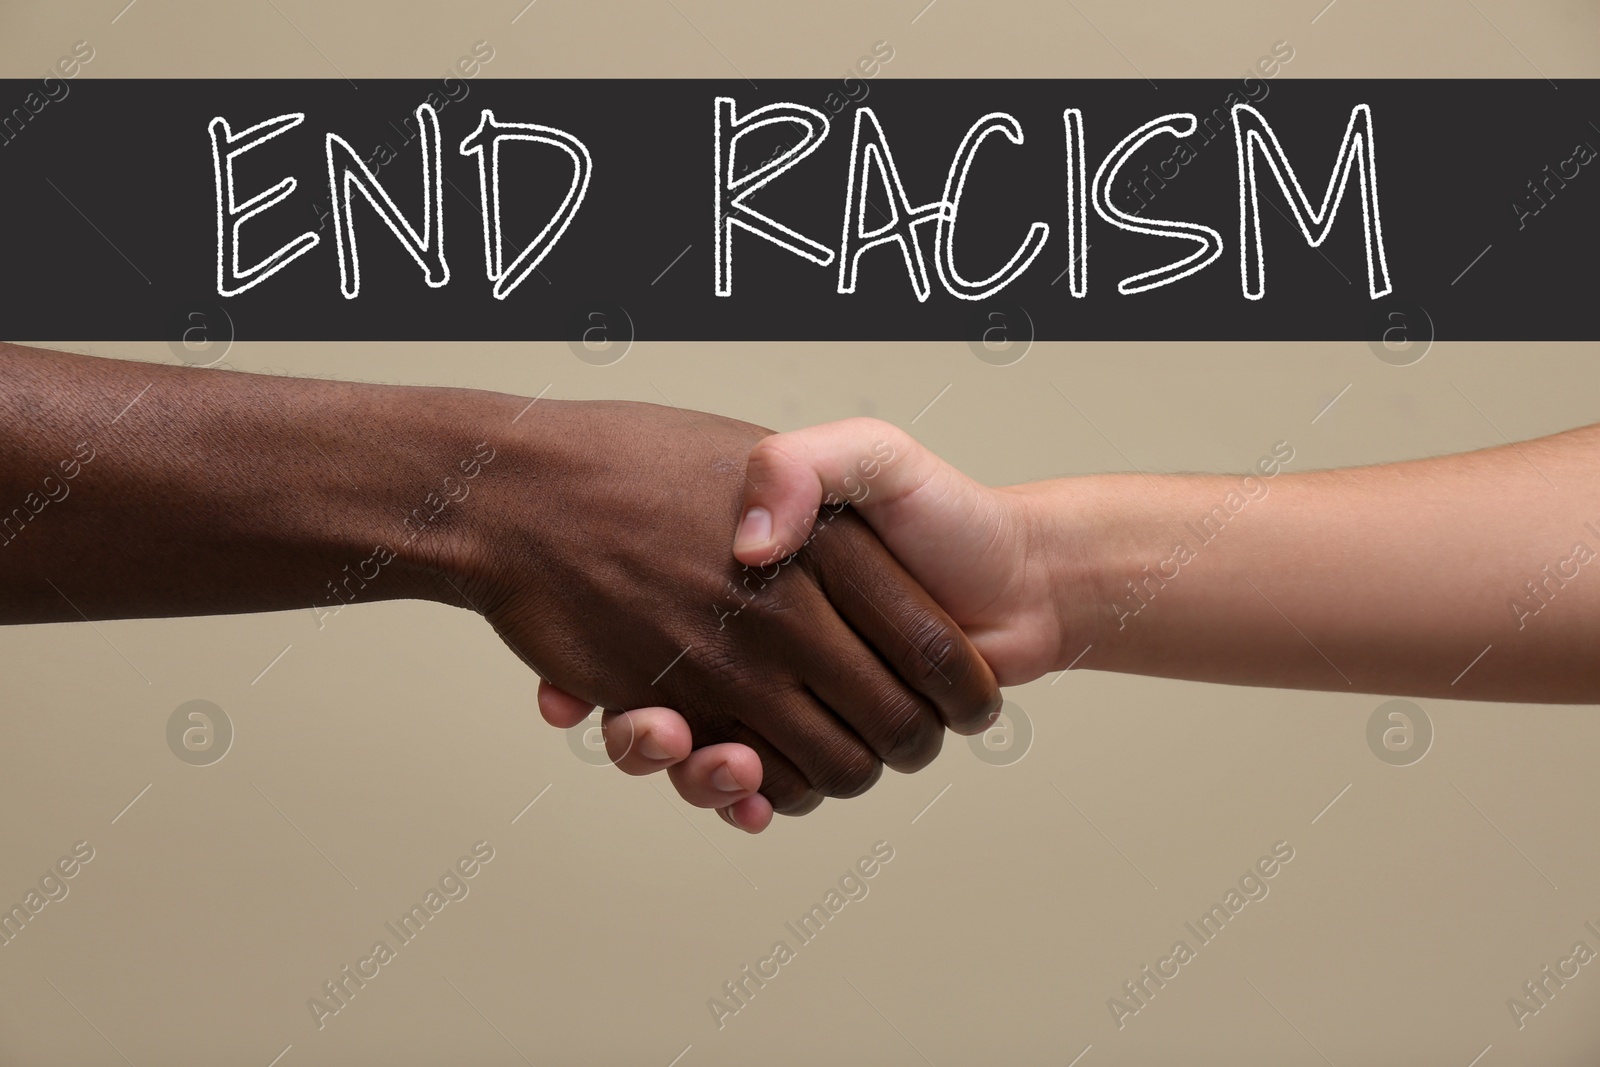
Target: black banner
{"x": 1466, "y": 208}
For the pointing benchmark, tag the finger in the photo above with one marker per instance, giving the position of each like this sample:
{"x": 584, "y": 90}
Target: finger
{"x": 782, "y": 783}
{"x": 869, "y": 463}
{"x": 874, "y": 594}
{"x": 752, "y": 815}
{"x": 717, "y": 776}
{"x": 560, "y": 708}
{"x": 833, "y": 760}
{"x": 901, "y": 727}
{"x": 646, "y": 740}
{"x": 807, "y": 752}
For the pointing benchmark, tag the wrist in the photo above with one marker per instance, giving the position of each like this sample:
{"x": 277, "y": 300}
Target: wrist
{"x": 421, "y": 513}
{"x": 1079, "y": 534}
{"x": 1120, "y": 546}
{"x": 505, "y": 473}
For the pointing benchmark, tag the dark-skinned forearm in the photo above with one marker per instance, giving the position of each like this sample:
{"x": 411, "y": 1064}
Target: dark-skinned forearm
{"x": 134, "y": 490}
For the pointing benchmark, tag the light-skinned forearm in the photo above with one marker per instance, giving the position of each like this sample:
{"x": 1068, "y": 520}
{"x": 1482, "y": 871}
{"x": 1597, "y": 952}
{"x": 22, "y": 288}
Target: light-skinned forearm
{"x": 1389, "y": 579}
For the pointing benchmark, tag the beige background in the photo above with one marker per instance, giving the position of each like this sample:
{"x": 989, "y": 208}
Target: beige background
{"x": 376, "y": 750}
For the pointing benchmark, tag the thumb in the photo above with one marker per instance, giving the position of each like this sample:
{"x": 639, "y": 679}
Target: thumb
{"x": 870, "y": 464}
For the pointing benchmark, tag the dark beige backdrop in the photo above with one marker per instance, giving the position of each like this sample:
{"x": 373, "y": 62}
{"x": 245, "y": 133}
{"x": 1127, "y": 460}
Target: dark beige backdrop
{"x": 372, "y": 752}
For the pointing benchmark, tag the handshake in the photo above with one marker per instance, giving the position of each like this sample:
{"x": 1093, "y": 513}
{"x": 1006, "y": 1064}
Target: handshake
{"x": 597, "y": 538}
{"x": 789, "y": 661}
{"x": 774, "y": 618}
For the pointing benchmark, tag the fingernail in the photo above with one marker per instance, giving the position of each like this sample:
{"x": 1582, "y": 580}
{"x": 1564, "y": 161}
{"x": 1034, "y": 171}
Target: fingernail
{"x": 652, "y": 749}
{"x": 755, "y": 529}
{"x": 723, "y": 779}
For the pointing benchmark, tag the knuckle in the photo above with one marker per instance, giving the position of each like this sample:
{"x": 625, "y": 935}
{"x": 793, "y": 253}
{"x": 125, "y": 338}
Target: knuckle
{"x": 863, "y": 426}
{"x": 800, "y": 802}
{"x": 717, "y": 658}
{"x": 937, "y": 664}
{"x": 876, "y": 432}
{"x": 787, "y": 791}
{"x": 768, "y": 455}
{"x": 910, "y": 737}
{"x": 848, "y": 774}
